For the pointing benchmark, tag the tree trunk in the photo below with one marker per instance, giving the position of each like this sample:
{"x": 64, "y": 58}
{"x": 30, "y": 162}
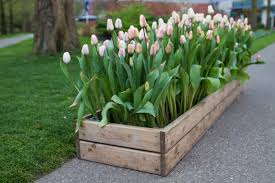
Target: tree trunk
{"x": 3, "y": 18}
{"x": 254, "y": 14}
{"x": 55, "y": 28}
{"x": 11, "y": 16}
{"x": 268, "y": 18}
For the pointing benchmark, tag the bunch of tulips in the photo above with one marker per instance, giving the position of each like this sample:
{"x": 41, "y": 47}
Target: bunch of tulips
{"x": 149, "y": 77}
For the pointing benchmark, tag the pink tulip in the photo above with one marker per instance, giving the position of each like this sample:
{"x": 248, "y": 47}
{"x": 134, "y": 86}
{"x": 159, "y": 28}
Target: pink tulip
{"x": 121, "y": 35}
{"x": 138, "y": 48}
{"x": 169, "y": 30}
{"x": 160, "y": 33}
{"x": 94, "y": 40}
{"x": 154, "y": 48}
{"x": 168, "y": 48}
{"x": 121, "y": 52}
{"x": 142, "y": 21}
{"x": 209, "y": 34}
{"x": 131, "y": 48}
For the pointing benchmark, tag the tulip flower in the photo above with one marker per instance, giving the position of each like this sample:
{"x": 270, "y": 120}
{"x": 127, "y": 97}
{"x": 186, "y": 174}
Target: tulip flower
{"x": 218, "y": 39}
{"x": 138, "y": 48}
{"x": 121, "y": 52}
{"x": 110, "y": 25}
{"x": 66, "y": 57}
{"x": 101, "y": 50}
{"x": 106, "y": 43}
{"x": 184, "y": 17}
{"x": 94, "y": 40}
{"x": 169, "y": 30}
{"x": 118, "y": 23}
{"x": 160, "y": 33}
{"x": 160, "y": 22}
{"x": 142, "y": 34}
{"x": 209, "y": 34}
{"x": 154, "y": 48}
{"x": 142, "y": 21}
{"x": 121, "y": 44}
{"x": 190, "y": 35}
{"x": 131, "y": 48}
{"x": 85, "y": 49}
{"x": 210, "y": 10}
{"x": 168, "y": 48}
{"x": 176, "y": 17}
{"x": 182, "y": 39}
{"x": 191, "y": 13}
{"x": 154, "y": 25}
{"x": 208, "y": 18}
{"x": 131, "y": 33}
{"x": 246, "y": 21}
{"x": 121, "y": 35}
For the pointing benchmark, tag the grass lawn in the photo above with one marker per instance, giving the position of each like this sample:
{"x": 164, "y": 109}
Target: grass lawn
{"x": 36, "y": 126}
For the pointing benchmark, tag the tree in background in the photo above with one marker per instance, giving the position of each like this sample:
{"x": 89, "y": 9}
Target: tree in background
{"x": 254, "y": 14}
{"x": 268, "y": 18}
{"x": 3, "y": 17}
{"x": 55, "y": 27}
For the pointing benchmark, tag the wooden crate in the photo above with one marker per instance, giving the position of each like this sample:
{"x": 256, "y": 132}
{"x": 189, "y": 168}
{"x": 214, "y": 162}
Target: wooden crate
{"x": 151, "y": 150}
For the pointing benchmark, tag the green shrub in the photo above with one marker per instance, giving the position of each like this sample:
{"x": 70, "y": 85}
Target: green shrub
{"x": 128, "y": 15}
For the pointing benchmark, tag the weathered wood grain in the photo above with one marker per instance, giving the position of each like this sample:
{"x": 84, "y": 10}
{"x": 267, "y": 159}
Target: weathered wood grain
{"x": 173, "y": 156}
{"x": 121, "y": 135}
{"x": 121, "y": 157}
{"x": 183, "y": 124}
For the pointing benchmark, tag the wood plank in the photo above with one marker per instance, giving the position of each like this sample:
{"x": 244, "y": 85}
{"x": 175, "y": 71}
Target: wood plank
{"x": 172, "y": 157}
{"x": 121, "y": 135}
{"x": 121, "y": 157}
{"x": 183, "y": 124}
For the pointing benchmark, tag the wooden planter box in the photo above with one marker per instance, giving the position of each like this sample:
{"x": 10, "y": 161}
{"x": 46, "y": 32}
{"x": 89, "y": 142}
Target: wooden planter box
{"x": 153, "y": 150}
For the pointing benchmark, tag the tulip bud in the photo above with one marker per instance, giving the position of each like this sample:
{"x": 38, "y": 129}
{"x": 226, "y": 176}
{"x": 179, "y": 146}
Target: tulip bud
{"x": 106, "y": 43}
{"x": 160, "y": 21}
{"x": 246, "y": 21}
{"x": 110, "y": 25}
{"x": 142, "y": 34}
{"x": 176, "y": 17}
{"x": 191, "y": 13}
{"x": 218, "y": 39}
{"x": 209, "y": 34}
{"x": 168, "y": 48}
{"x": 190, "y": 35}
{"x": 169, "y": 30}
{"x": 208, "y": 18}
{"x": 94, "y": 40}
{"x": 121, "y": 35}
{"x": 142, "y": 21}
{"x": 66, "y": 57}
{"x": 131, "y": 32}
{"x": 131, "y": 48}
{"x": 118, "y": 23}
{"x": 225, "y": 18}
{"x": 126, "y": 37}
{"x": 154, "y": 25}
{"x": 101, "y": 50}
{"x": 210, "y": 10}
{"x": 131, "y": 62}
{"x": 160, "y": 33}
{"x": 121, "y": 44}
{"x": 121, "y": 52}
{"x": 184, "y": 17}
{"x": 182, "y": 39}
{"x": 147, "y": 86}
{"x": 85, "y": 49}
{"x": 154, "y": 48}
{"x": 138, "y": 48}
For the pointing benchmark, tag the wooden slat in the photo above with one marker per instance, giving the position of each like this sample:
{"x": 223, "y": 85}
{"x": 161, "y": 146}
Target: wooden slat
{"x": 121, "y": 135}
{"x": 183, "y": 124}
{"x": 121, "y": 157}
{"x": 172, "y": 157}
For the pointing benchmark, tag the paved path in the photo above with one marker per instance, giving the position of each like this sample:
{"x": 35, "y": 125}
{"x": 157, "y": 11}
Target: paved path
{"x": 240, "y": 147}
{"x": 13, "y": 40}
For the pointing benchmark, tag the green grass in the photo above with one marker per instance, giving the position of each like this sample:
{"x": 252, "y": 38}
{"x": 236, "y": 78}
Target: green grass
{"x": 36, "y": 126}
{"x": 262, "y": 42}
{"x": 12, "y": 35}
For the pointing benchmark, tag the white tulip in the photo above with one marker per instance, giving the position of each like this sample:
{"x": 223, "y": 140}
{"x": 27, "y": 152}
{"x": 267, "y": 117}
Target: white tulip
{"x": 208, "y": 18}
{"x": 110, "y": 25}
{"x": 85, "y": 49}
{"x": 210, "y": 10}
{"x": 154, "y": 25}
{"x": 160, "y": 21}
{"x": 101, "y": 50}
{"x": 118, "y": 23}
{"x": 94, "y": 40}
{"x": 191, "y": 13}
{"x": 66, "y": 57}
{"x": 121, "y": 44}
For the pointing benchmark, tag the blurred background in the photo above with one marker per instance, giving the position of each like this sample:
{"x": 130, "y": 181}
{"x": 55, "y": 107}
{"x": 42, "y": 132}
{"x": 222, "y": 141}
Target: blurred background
{"x": 21, "y": 16}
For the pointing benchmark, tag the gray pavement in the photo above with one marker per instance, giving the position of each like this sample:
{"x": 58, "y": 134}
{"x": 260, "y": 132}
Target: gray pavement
{"x": 240, "y": 147}
{"x": 13, "y": 40}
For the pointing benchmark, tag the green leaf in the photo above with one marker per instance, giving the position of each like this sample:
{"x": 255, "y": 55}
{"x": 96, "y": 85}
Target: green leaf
{"x": 212, "y": 84}
{"x": 80, "y": 115}
{"x": 148, "y": 108}
{"x": 195, "y": 76}
{"x": 110, "y": 105}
